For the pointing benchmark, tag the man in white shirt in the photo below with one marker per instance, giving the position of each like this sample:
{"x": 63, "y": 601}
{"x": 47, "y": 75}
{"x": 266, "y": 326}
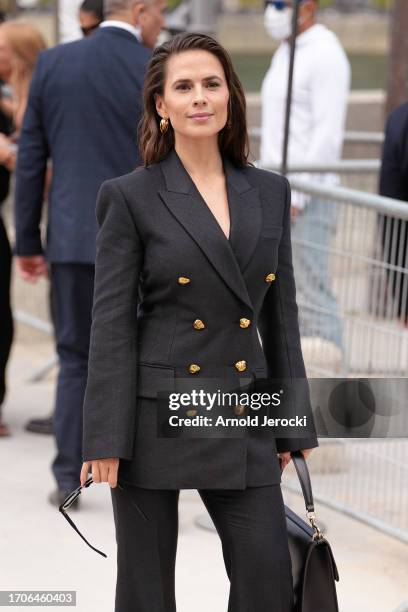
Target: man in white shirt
{"x": 321, "y": 84}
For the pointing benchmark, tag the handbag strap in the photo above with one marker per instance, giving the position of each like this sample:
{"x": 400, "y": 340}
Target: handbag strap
{"x": 305, "y": 482}
{"x": 304, "y": 478}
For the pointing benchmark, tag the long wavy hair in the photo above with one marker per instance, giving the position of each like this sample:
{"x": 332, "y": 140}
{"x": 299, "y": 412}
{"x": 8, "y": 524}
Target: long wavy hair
{"x": 233, "y": 141}
{"x": 25, "y": 43}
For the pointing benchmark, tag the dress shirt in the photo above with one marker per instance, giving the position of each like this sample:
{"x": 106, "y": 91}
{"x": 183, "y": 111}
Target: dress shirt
{"x": 113, "y": 23}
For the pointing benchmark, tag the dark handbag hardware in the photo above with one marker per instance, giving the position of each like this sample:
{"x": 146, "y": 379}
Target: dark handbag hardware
{"x": 313, "y": 566}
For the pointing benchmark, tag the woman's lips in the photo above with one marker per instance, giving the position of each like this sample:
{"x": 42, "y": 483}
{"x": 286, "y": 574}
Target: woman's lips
{"x": 201, "y": 117}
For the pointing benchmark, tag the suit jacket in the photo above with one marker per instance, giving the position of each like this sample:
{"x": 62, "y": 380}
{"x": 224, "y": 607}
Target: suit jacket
{"x": 394, "y": 184}
{"x": 83, "y": 112}
{"x": 163, "y": 263}
{"x": 394, "y": 167}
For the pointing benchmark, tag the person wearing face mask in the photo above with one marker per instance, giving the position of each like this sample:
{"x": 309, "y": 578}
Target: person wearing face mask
{"x": 321, "y": 84}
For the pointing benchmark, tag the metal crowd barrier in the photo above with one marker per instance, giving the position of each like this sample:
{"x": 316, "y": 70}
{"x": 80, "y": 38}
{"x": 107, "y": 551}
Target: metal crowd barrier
{"x": 350, "y": 258}
{"x": 350, "y": 137}
{"x": 365, "y": 479}
{"x": 351, "y": 268}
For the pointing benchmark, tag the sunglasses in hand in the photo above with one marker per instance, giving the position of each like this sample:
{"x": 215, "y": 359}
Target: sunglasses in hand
{"x": 69, "y": 500}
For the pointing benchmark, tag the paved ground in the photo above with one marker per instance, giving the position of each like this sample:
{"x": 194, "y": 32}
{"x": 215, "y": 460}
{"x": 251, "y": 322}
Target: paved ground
{"x": 40, "y": 551}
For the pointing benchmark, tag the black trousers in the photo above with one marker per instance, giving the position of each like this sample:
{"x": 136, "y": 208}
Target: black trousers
{"x": 6, "y": 318}
{"x": 252, "y": 528}
{"x": 72, "y": 297}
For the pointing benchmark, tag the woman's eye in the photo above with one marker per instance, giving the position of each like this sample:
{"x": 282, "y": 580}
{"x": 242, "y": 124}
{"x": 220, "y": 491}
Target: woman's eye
{"x": 184, "y": 86}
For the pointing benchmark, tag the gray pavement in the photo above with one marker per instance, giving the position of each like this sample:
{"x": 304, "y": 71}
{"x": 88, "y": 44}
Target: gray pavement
{"x": 39, "y": 550}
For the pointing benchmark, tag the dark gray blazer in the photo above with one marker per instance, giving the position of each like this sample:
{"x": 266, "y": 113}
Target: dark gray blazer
{"x": 155, "y": 230}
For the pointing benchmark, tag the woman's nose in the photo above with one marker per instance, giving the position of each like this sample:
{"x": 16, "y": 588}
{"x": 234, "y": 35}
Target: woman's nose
{"x": 199, "y": 97}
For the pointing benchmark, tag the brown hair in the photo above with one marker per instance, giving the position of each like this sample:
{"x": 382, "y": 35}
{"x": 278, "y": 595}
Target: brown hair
{"x": 25, "y": 43}
{"x": 154, "y": 146}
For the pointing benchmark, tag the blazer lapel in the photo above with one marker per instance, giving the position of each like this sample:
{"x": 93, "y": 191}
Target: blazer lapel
{"x": 245, "y": 213}
{"x": 186, "y": 204}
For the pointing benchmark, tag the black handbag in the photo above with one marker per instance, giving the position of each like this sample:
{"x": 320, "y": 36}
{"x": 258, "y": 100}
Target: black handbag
{"x": 313, "y": 566}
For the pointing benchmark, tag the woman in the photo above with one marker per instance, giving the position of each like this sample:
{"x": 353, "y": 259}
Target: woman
{"x": 189, "y": 245}
{"x": 24, "y": 43}
{"x": 20, "y": 45}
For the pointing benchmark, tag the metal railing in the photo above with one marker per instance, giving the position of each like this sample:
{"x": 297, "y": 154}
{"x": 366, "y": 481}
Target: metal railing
{"x": 350, "y": 259}
{"x": 350, "y": 137}
{"x": 343, "y": 167}
{"x": 366, "y": 480}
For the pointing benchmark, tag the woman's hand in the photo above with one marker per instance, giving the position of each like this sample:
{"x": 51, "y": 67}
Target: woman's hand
{"x": 7, "y": 155}
{"x": 285, "y": 458}
{"x": 103, "y": 470}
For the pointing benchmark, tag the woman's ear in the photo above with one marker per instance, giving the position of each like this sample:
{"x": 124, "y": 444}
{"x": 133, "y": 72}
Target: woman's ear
{"x": 160, "y": 106}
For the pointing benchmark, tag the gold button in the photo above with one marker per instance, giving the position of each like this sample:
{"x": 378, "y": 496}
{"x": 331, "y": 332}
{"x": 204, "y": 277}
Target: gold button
{"x": 269, "y": 277}
{"x": 183, "y": 280}
{"x": 198, "y": 324}
{"x": 241, "y": 366}
{"x": 191, "y": 412}
{"x": 244, "y": 323}
{"x": 239, "y": 409}
{"x": 194, "y": 368}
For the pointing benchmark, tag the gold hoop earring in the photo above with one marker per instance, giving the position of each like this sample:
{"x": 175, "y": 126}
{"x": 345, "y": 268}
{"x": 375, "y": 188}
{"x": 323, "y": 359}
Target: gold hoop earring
{"x": 164, "y": 125}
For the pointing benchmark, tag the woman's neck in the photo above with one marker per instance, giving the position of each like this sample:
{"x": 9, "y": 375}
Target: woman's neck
{"x": 201, "y": 158}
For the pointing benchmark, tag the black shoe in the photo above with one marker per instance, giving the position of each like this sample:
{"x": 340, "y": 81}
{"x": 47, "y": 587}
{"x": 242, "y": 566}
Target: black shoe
{"x": 43, "y": 426}
{"x": 59, "y": 495}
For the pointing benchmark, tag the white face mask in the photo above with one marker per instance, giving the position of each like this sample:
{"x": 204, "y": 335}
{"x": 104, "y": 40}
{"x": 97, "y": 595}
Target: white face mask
{"x": 278, "y": 24}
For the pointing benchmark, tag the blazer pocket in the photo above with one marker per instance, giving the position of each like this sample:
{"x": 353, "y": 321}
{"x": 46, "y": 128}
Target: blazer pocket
{"x": 153, "y": 378}
{"x": 271, "y": 231}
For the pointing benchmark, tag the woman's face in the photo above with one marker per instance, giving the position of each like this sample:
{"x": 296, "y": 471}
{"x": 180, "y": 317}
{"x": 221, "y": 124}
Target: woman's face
{"x": 195, "y": 94}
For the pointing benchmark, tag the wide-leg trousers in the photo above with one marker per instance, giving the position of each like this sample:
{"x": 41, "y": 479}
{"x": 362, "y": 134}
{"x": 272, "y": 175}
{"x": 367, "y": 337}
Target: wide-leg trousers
{"x": 250, "y": 523}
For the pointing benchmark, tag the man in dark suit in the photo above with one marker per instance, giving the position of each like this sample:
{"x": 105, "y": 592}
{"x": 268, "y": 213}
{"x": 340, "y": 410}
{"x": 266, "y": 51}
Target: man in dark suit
{"x": 394, "y": 184}
{"x": 83, "y": 112}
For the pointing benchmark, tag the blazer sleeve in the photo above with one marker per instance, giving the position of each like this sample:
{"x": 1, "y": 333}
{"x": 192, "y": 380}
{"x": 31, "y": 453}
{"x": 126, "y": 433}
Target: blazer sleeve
{"x": 109, "y": 411}
{"x": 279, "y": 330}
{"x": 31, "y": 169}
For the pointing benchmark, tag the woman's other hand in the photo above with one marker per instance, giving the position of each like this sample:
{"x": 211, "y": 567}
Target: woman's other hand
{"x": 7, "y": 154}
{"x": 103, "y": 470}
{"x": 285, "y": 458}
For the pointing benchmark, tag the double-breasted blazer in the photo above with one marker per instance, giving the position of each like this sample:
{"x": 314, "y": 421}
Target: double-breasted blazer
{"x": 172, "y": 293}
